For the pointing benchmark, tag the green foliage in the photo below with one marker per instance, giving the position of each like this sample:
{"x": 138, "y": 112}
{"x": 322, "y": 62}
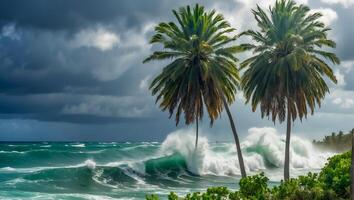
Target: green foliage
{"x": 215, "y": 193}
{"x": 335, "y": 174}
{"x": 254, "y": 187}
{"x": 332, "y": 183}
{"x": 218, "y": 193}
{"x": 172, "y": 196}
{"x": 304, "y": 187}
{"x": 152, "y": 197}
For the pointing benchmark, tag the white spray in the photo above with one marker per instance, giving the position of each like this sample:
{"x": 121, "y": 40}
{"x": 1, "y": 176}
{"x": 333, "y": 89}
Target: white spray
{"x": 263, "y": 148}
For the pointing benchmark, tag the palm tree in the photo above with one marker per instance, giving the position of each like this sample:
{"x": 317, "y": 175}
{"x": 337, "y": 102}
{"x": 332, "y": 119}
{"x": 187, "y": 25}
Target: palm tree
{"x": 202, "y": 72}
{"x": 286, "y": 74}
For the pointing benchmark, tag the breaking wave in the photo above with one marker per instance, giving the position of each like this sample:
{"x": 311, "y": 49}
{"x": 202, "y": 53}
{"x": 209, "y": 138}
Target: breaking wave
{"x": 262, "y": 149}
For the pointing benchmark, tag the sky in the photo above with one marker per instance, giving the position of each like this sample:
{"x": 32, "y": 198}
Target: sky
{"x": 72, "y": 71}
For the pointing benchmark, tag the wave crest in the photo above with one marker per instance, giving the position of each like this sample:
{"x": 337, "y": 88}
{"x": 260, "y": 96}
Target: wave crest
{"x": 262, "y": 149}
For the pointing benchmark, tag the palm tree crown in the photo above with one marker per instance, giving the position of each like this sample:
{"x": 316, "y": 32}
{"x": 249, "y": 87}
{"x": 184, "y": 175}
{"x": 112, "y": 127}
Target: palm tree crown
{"x": 203, "y": 64}
{"x": 286, "y": 72}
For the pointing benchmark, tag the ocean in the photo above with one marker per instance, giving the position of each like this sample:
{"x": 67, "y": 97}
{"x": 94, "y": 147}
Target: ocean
{"x": 124, "y": 170}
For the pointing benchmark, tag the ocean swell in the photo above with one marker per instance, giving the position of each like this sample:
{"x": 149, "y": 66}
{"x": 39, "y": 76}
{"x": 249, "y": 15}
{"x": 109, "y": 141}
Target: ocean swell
{"x": 175, "y": 162}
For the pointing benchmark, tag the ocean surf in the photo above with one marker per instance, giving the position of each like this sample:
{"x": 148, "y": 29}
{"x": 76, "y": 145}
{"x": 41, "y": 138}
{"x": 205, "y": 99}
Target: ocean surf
{"x": 131, "y": 170}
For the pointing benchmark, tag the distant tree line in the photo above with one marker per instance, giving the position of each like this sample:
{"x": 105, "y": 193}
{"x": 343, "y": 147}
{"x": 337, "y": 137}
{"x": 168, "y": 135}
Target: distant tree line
{"x": 338, "y": 142}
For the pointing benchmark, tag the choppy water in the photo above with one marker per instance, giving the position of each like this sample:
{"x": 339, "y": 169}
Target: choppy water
{"x": 131, "y": 170}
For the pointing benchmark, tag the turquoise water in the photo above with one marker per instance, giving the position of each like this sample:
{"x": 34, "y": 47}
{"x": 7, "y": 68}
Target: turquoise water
{"x": 94, "y": 171}
{"x": 132, "y": 170}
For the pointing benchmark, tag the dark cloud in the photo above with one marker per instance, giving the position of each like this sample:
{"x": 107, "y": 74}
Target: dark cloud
{"x": 44, "y": 51}
{"x": 55, "y": 68}
{"x": 76, "y": 14}
{"x": 345, "y": 33}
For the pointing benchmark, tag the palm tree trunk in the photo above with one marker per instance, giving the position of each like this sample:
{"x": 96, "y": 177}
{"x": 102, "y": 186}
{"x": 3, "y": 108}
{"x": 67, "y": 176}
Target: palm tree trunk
{"x": 352, "y": 167}
{"x": 237, "y": 141}
{"x": 287, "y": 148}
{"x": 196, "y": 133}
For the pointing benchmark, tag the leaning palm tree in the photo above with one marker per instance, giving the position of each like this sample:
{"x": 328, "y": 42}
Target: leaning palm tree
{"x": 285, "y": 76}
{"x": 202, "y": 73}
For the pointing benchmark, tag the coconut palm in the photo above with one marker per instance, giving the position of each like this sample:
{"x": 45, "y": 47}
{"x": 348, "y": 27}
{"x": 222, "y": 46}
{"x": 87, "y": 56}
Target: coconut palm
{"x": 285, "y": 76}
{"x": 202, "y": 73}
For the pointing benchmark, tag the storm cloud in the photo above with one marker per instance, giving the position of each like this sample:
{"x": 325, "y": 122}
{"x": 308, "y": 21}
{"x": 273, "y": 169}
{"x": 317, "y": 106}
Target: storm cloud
{"x": 78, "y": 65}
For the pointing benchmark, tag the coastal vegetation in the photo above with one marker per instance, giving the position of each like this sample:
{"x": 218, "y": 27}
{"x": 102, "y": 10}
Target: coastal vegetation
{"x": 202, "y": 72}
{"x": 337, "y": 142}
{"x": 332, "y": 183}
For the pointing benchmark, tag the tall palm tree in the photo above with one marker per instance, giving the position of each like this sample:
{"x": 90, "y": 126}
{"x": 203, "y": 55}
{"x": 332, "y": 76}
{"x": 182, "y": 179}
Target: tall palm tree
{"x": 202, "y": 72}
{"x": 286, "y": 74}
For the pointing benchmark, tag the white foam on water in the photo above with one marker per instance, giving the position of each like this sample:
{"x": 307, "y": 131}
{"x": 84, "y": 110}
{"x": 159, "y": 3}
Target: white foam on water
{"x": 7, "y": 169}
{"x": 270, "y": 145}
{"x": 78, "y": 145}
{"x": 12, "y": 152}
{"x": 90, "y": 164}
{"x": 262, "y": 148}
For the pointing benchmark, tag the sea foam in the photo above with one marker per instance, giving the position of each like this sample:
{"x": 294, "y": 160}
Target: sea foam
{"x": 90, "y": 164}
{"x": 262, "y": 149}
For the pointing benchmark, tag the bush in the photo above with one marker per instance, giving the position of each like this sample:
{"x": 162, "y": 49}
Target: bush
{"x": 303, "y": 188}
{"x": 336, "y": 174}
{"x": 152, "y": 197}
{"x": 254, "y": 187}
{"x": 215, "y": 193}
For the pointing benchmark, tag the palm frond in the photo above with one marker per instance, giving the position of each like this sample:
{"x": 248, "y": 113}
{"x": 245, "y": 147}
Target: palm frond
{"x": 287, "y": 71}
{"x": 202, "y": 67}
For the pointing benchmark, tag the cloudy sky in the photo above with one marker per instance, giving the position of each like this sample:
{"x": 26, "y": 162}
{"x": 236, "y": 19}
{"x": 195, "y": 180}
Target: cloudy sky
{"x": 72, "y": 70}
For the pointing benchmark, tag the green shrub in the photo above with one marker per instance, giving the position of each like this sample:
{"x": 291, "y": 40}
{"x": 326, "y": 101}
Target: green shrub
{"x": 235, "y": 196}
{"x": 335, "y": 175}
{"x": 254, "y": 187}
{"x": 303, "y": 188}
{"x": 285, "y": 189}
{"x": 152, "y": 197}
{"x": 217, "y": 193}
